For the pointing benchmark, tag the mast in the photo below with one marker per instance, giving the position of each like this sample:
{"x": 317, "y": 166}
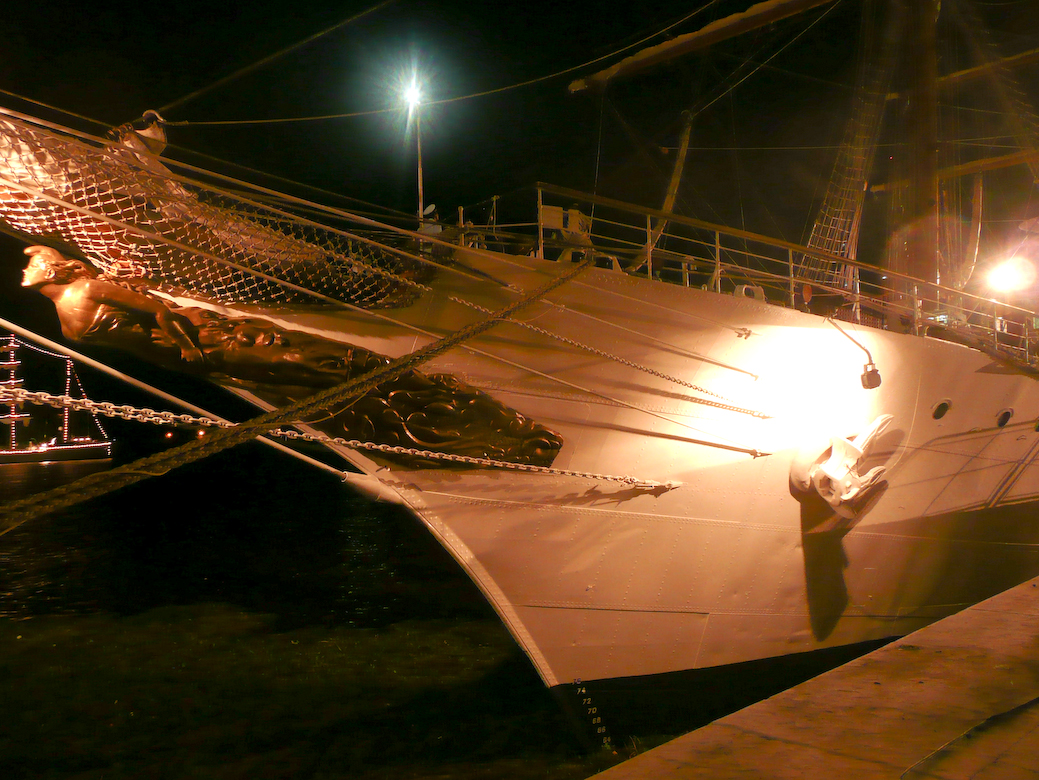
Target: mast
{"x": 922, "y": 201}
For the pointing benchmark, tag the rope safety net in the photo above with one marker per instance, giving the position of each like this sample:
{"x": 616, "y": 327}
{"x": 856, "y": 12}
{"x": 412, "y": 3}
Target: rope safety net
{"x": 126, "y": 212}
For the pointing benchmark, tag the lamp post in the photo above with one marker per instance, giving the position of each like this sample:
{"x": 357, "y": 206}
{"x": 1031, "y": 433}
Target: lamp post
{"x": 414, "y": 98}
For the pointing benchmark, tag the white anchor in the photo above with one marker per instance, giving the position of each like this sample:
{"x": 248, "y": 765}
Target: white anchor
{"x": 837, "y": 479}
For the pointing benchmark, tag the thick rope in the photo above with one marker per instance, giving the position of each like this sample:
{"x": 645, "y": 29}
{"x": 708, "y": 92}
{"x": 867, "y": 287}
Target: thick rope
{"x": 15, "y": 513}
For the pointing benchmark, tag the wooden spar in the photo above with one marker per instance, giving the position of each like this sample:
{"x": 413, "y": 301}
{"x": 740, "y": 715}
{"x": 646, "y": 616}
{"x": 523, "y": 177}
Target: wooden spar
{"x": 676, "y": 179}
{"x": 979, "y": 71}
{"x": 754, "y": 17}
{"x": 974, "y": 166}
{"x": 660, "y": 223}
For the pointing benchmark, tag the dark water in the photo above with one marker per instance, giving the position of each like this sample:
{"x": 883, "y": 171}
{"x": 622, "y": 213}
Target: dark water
{"x": 251, "y": 617}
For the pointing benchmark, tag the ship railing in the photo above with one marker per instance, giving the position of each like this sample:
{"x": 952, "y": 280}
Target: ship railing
{"x": 694, "y": 253}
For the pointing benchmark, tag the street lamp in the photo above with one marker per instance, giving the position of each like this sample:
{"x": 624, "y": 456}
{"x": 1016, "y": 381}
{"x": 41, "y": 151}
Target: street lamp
{"x": 413, "y": 96}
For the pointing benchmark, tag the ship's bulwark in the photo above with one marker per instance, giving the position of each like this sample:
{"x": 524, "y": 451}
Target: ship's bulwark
{"x": 603, "y": 580}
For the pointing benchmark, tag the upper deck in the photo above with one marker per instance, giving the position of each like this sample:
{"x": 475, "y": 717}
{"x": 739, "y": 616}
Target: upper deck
{"x": 690, "y": 252}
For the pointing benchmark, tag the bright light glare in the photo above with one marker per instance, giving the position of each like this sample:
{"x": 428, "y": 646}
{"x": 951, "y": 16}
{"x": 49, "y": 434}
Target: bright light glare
{"x": 413, "y": 95}
{"x": 1011, "y": 275}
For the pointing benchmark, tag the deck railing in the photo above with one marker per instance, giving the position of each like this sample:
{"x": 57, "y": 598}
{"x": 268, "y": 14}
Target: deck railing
{"x": 694, "y": 253}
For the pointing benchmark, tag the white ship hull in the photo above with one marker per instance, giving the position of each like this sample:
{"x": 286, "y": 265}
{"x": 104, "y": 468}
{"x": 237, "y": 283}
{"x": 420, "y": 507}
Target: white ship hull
{"x": 599, "y": 579}
{"x": 715, "y": 552}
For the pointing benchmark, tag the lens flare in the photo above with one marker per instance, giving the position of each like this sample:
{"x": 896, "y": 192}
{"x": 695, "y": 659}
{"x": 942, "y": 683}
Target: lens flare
{"x": 1011, "y": 275}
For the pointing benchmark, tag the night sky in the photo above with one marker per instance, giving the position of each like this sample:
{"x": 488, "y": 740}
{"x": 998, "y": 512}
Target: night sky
{"x": 760, "y": 159}
{"x": 112, "y": 61}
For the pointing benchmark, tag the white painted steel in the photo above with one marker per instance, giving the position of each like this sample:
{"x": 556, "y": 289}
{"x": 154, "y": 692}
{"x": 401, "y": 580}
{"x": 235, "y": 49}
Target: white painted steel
{"x": 600, "y": 580}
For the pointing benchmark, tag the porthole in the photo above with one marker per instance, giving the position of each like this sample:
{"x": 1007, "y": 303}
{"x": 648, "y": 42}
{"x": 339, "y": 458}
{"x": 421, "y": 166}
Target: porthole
{"x": 1004, "y": 417}
{"x": 1036, "y": 426}
{"x": 940, "y": 409}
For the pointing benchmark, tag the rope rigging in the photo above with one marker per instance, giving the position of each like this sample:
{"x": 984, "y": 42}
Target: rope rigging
{"x": 270, "y": 58}
{"x": 18, "y": 512}
{"x": 258, "y": 251}
{"x": 445, "y": 101}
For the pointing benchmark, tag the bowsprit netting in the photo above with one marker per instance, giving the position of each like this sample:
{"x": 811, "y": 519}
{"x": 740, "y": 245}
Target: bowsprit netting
{"x": 126, "y": 212}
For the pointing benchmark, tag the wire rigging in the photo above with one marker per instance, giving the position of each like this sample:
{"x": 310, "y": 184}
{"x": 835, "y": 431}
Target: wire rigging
{"x": 759, "y": 66}
{"x": 444, "y": 101}
{"x": 270, "y": 58}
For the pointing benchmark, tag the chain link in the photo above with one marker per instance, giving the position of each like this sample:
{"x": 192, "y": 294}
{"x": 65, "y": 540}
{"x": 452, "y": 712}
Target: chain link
{"x": 107, "y": 409}
{"x": 144, "y": 415}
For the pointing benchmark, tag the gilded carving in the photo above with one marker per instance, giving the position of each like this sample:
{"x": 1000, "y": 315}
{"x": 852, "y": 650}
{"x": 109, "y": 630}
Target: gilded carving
{"x": 425, "y": 411}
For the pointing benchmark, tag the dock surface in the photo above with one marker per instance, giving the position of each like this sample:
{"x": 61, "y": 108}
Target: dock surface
{"x": 957, "y": 699}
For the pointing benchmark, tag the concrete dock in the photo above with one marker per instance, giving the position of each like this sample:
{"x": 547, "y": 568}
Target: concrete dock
{"x": 958, "y": 699}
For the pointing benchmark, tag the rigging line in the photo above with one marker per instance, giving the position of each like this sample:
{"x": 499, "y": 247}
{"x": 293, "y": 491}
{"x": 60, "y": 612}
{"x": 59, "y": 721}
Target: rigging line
{"x": 253, "y": 272}
{"x": 280, "y": 179}
{"x": 36, "y": 122}
{"x": 286, "y": 120}
{"x": 736, "y": 164}
{"x": 301, "y": 220}
{"x": 598, "y": 156}
{"x": 459, "y": 98}
{"x": 417, "y": 285}
{"x": 771, "y": 57}
{"x": 266, "y": 207}
{"x": 54, "y": 108}
{"x": 169, "y": 241}
{"x": 748, "y": 65}
{"x": 298, "y": 288}
{"x": 270, "y": 58}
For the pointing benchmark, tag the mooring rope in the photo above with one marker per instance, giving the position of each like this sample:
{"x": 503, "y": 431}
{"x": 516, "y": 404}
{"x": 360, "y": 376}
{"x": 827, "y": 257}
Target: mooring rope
{"x": 15, "y": 513}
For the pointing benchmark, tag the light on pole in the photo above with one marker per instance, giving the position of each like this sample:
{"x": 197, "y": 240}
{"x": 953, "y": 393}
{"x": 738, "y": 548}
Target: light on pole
{"x": 413, "y": 96}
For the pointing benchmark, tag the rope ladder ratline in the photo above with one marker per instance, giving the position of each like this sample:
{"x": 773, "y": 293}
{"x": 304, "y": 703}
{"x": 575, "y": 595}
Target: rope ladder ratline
{"x": 14, "y": 514}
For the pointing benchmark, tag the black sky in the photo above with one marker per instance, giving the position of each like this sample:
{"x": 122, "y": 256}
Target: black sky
{"x": 111, "y": 61}
{"x": 114, "y": 61}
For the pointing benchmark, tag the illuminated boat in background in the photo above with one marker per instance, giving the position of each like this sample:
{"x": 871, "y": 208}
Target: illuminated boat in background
{"x": 64, "y": 447}
{"x": 642, "y": 477}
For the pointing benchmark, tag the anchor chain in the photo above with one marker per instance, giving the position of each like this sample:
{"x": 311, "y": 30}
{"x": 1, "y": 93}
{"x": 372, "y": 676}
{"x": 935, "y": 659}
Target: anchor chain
{"x": 146, "y": 415}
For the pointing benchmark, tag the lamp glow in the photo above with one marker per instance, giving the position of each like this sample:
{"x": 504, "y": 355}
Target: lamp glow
{"x": 1011, "y": 275}
{"x": 413, "y": 95}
